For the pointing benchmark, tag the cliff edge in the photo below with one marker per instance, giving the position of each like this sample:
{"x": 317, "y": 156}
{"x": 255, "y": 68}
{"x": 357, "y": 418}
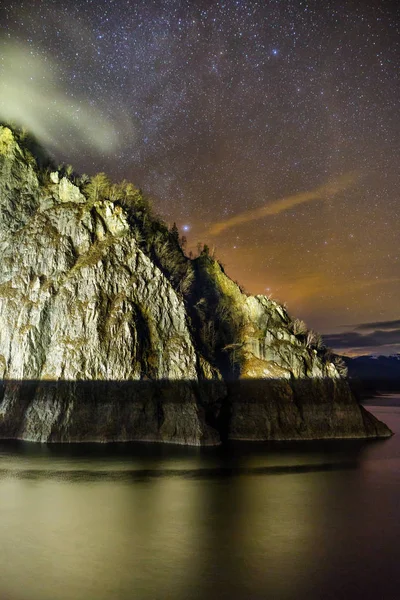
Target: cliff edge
{"x": 108, "y": 332}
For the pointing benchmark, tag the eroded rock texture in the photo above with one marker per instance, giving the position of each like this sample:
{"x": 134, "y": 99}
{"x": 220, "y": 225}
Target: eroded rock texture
{"x": 108, "y": 332}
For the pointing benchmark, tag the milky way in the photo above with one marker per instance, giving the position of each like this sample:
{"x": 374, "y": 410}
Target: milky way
{"x": 239, "y": 119}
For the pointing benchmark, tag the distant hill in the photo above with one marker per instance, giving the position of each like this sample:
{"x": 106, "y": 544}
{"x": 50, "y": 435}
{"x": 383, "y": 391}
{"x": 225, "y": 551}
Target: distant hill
{"x": 375, "y": 372}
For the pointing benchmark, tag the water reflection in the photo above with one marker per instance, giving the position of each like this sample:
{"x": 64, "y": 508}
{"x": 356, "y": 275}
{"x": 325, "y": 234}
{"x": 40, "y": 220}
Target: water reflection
{"x": 148, "y": 522}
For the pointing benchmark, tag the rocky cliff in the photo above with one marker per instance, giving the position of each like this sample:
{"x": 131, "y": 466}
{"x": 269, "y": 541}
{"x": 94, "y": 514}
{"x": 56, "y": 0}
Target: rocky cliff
{"x": 108, "y": 332}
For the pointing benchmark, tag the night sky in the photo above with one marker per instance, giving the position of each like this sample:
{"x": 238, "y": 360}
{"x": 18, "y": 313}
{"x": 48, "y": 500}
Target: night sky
{"x": 267, "y": 129}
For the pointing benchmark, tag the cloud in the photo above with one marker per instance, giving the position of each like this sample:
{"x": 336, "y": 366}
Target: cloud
{"x": 274, "y": 208}
{"x": 374, "y": 339}
{"x": 385, "y": 325}
{"x": 33, "y": 95}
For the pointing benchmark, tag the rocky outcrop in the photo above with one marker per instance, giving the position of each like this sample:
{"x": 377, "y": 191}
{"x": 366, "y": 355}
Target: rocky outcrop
{"x": 108, "y": 332}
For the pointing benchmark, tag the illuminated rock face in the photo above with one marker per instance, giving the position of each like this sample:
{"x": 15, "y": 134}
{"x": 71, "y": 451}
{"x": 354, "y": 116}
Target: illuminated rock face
{"x": 96, "y": 344}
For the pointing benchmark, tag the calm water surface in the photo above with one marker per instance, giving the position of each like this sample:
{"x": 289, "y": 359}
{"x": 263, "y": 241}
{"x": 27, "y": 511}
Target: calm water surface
{"x": 316, "y": 520}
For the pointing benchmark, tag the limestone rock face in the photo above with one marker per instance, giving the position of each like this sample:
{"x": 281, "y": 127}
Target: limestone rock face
{"x": 97, "y": 343}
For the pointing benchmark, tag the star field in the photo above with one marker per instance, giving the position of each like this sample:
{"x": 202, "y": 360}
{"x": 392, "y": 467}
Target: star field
{"x": 221, "y": 112}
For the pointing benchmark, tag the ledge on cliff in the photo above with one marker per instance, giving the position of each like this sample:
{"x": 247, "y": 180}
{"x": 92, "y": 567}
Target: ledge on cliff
{"x": 95, "y": 289}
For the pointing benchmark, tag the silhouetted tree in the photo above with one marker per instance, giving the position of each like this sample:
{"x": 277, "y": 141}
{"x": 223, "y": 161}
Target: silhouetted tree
{"x": 174, "y": 231}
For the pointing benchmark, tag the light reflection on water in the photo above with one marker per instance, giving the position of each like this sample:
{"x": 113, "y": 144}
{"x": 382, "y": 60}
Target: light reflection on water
{"x": 316, "y": 520}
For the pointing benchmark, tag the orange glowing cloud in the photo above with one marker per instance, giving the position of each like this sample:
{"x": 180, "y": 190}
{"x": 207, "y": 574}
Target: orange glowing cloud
{"x": 331, "y": 188}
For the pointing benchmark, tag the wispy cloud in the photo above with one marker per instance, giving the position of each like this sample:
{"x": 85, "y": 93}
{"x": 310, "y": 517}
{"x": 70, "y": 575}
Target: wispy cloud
{"x": 332, "y": 188}
{"x": 33, "y": 94}
{"x": 379, "y": 335}
{"x": 382, "y": 325}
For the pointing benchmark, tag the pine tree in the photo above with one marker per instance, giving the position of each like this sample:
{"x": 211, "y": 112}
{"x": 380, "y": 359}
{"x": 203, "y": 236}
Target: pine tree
{"x": 175, "y": 232}
{"x": 98, "y": 187}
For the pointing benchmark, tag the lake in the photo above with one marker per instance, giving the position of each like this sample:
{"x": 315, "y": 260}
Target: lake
{"x": 301, "y": 520}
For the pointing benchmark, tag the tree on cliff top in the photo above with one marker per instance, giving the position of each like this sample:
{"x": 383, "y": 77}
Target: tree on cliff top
{"x": 98, "y": 187}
